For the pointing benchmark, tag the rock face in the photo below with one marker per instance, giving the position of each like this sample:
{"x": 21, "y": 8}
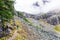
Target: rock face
{"x": 54, "y": 20}
{"x": 45, "y": 16}
{"x": 59, "y": 19}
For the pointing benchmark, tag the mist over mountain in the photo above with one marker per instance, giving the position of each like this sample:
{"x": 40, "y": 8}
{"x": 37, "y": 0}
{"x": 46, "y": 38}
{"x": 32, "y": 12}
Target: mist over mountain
{"x": 37, "y": 6}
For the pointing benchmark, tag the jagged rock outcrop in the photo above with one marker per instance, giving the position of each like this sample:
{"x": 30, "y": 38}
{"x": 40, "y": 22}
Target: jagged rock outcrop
{"x": 54, "y": 20}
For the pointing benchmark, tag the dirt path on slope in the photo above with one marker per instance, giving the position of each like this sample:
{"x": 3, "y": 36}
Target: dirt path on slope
{"x": 13, "y": 36}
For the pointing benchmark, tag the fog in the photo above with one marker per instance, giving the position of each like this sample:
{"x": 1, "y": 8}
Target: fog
{"x": 36, "y": 6}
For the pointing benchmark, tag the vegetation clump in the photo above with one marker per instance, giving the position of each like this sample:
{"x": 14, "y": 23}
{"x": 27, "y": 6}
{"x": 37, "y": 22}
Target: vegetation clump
{"x": 6, "y": 13}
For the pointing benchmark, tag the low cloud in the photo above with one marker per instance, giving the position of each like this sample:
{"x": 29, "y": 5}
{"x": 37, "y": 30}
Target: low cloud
{"x": 28, "y": 7}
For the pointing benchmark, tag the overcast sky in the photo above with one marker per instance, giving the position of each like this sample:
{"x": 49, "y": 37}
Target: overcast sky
{"x": 36, "y": 6}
